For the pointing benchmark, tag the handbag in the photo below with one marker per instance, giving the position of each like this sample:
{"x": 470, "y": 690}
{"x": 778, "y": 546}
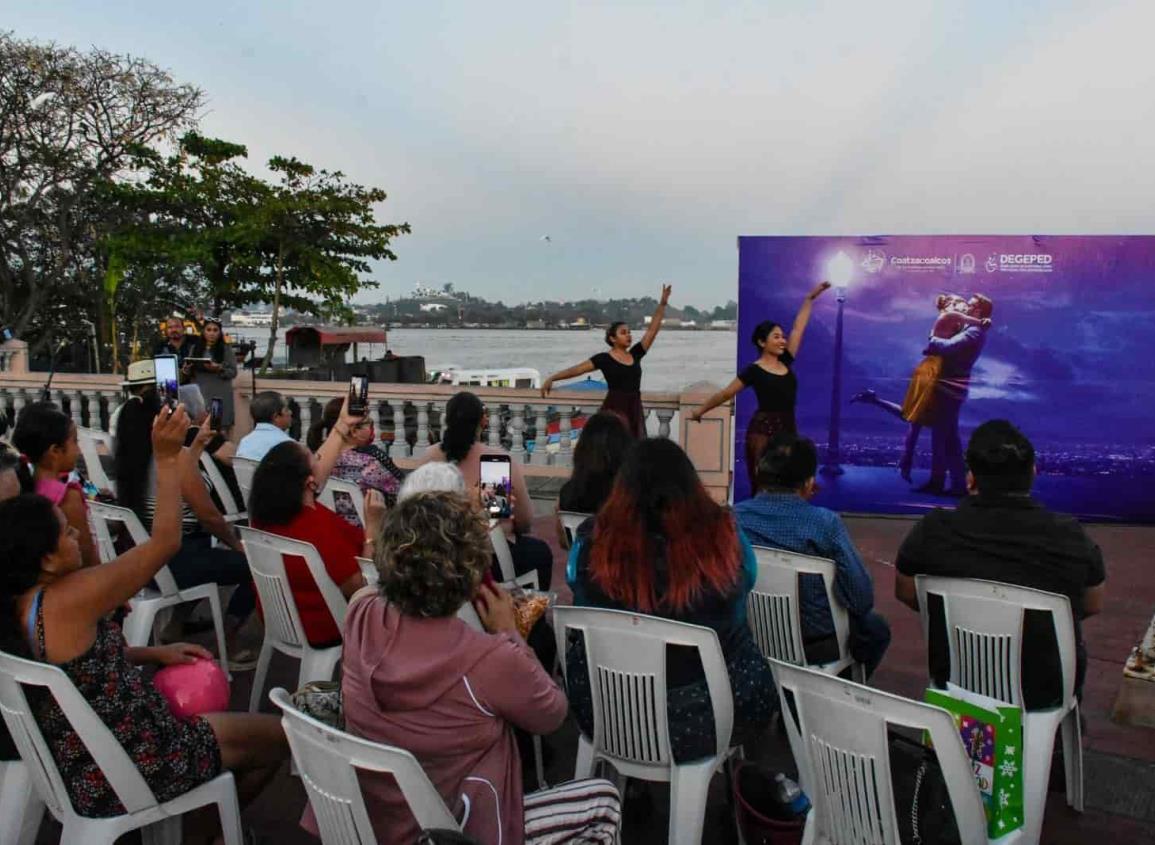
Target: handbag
{"x": 917, "y": 781}
{"x": 322, "y": 701}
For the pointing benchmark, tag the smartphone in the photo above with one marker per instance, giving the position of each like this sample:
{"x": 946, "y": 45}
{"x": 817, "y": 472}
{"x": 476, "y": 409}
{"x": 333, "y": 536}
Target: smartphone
{"x": 216, "y": 413}
{"x": 496, "y": 486}
{"x": 359, "y": 395}
{"x": 167, "y": 381}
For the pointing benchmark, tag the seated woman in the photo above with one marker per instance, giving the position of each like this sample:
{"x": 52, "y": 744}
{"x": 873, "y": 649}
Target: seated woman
{"x": 47, "y": 437}
{"x": 55, "y": 611}
{"x": 661, "y": 546}
{"x": 361, "y": 461}
{"x": 464, "y": 420}
{"x": 596, "y": 458}
{"x": 283, "y": 501}
{"x": 417, "y": 677}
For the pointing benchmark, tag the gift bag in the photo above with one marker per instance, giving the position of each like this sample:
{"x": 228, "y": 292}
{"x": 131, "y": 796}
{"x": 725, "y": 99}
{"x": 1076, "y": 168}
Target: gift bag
{"x": 992, "y": 735}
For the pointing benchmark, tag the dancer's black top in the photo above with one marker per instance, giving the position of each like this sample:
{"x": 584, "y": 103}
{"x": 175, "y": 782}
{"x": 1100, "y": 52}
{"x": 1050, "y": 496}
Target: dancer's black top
{"x": 776, "y": 394}
{"x": 618, "y": 376}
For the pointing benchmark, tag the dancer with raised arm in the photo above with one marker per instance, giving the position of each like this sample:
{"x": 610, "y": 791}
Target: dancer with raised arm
{"x": 622, "y": 368}
{"x": 773, "y": 381}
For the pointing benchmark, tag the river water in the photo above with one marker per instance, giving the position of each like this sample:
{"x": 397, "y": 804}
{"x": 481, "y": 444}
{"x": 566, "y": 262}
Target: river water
{"x": 677, "y": 358}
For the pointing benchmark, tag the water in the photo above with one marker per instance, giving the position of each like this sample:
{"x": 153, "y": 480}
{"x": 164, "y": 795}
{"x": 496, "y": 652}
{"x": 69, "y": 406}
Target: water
{"x": 677, "y": 358}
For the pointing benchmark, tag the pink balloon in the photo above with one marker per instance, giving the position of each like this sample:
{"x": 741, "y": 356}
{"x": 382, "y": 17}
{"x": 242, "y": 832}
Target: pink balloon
{"x": 193, "y": 688}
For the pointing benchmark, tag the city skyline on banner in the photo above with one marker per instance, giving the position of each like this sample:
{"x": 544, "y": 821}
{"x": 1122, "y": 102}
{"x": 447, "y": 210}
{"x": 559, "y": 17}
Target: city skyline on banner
{"x": 1062, "y": 355}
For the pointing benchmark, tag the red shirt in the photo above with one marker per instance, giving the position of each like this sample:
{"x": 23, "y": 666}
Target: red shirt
{"x": 339, "y": 544}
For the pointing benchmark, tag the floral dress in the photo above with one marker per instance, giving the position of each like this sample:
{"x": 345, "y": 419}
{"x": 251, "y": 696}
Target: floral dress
{"x": 172, "y": 756}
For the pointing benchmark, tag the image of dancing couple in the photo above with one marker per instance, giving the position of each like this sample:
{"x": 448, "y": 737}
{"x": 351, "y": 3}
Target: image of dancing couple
{"x": 938, "y": 388}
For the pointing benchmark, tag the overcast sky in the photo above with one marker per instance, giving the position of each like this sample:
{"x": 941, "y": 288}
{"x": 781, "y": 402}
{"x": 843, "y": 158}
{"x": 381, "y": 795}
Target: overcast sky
{"x": 644, "y": 137}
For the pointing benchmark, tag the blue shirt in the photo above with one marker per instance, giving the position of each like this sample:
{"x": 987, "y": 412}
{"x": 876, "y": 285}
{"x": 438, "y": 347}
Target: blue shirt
{"x": 257, "y": 443}
{"x": 787, "y": 521}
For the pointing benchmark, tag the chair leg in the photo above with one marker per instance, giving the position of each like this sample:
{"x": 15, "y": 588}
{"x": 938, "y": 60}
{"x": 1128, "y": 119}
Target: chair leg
{"x": 259, "y": 676}
{"x": 138, "y": 625}
{"x": 584, "y": 767}
{"x": 165, "y": 832}
{"x": 219, "y": 627}
{"x": 1037, "y": 750}
{"x": 318, "y": 665}
{"x": 539, "y": 763}
{"x": 20, "y": 806}
{"x": 230, "y": 810}
{"x": 1073, "y": 758}
{"x": 689, "y": 785}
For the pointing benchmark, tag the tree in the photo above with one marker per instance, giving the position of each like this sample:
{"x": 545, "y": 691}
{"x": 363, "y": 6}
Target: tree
{"x": 69, "y": 123}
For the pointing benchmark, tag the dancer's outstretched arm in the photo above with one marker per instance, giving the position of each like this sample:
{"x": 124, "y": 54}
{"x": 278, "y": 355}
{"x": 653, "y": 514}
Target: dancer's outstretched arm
{"x": 581, "y": 369}
{"x": 803, "y": 317}
{"x": 724, "y": 395}
{"x": 656, "y": 320}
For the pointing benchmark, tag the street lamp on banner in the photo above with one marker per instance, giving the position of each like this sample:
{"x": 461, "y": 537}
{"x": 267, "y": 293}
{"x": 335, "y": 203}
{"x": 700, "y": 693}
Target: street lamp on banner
{"x": 838, "y": 270}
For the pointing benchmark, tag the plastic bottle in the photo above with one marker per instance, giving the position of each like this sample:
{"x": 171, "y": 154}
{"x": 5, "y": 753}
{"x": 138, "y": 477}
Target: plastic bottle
{"x": 790, "y": 797}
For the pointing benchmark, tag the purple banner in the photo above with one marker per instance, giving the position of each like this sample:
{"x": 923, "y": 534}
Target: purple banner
{"x": 1049, "y": 332}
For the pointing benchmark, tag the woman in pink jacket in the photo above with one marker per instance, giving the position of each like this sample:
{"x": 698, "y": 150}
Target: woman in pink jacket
{"x": 417, "y": 677}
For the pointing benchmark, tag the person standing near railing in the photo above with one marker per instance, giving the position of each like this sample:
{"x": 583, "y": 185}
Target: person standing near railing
{"x": 622, "y": 368}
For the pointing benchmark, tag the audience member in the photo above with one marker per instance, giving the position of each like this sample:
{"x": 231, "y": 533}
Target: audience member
{"x": 215, "y": 377}
{"x": 1000, "y": 533}
{"x": 47, "y": 437}
{"x": 180, "y": 345}
{"x": 362, "y": 460}
{"x": 661, "y": 546}
{"x": 198, "y": 561}
{"x": 14, "y": 478}
{"x": 283, "y": 501}
{"x": 416, "y": 676}
{"x": 465, "y": 418}
{"x": 432, "y": 478}
{"x": 53, "y": 610}
{"x": 272, "y": 418}
{"x": 780, "y": 517}
{"x": 599, "y": 452}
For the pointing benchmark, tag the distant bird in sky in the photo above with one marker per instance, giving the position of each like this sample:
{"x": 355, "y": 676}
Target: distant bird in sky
{"x": 547, "y": 239}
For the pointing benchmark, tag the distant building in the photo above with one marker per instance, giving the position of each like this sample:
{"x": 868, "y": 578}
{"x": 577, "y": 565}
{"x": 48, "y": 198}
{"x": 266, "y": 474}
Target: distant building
{"x": 433, "y": 307}
{"x": 723, "y": 325}
{"x": 260, "y": 320}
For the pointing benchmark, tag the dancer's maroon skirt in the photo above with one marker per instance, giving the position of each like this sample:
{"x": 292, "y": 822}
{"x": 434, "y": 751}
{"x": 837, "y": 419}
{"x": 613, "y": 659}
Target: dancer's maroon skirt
{"x": 764, "y": 425}
{"x": 627, "y": 404}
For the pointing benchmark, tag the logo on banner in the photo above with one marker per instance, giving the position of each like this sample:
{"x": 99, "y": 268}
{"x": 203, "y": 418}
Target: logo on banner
{"x": 874, "y": 261}
{"x": 921, "y": 263}
{"x": 966, "y": 264}
{"x": 992, "y": 263}
{"x": 1020, "y": 262}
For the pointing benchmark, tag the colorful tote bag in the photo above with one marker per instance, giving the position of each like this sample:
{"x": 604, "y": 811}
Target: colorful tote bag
{"x": 992, "y": 736}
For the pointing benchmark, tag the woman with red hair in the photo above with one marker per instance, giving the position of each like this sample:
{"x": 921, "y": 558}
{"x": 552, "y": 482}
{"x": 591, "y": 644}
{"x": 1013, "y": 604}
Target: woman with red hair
{"x": 661, "y": 546}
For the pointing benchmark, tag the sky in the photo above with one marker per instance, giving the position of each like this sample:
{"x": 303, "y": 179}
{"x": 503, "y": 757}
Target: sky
{"x": 644, "y": 137}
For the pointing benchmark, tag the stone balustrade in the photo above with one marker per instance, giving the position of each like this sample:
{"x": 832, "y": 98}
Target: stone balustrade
{"x": 408, "y": 416}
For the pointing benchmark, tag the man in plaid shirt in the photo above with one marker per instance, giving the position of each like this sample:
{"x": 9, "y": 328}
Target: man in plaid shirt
{"x": 780, "y": 517}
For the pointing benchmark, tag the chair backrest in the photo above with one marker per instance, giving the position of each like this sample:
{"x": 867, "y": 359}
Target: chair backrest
{"x": 838, "y": 735}
{"x": 229, "y": 505}
{"x": 335, "y": 486}
{"x": 626, "y": 656}
{"x": 774, "y": 606}
{"x": 505, "y": 558}
{"x": 101, "y": 516}
{"x": 265, "y": 552}
{"x": 328, "y": 761}
{"x": 91, "y": 440}
{"x": 984, "y": 626}
{"x": 122, "y": 774}
{"x": 243, "y": 469}
{"x": 570, "y": 520}
{"x": 368, "y": 571}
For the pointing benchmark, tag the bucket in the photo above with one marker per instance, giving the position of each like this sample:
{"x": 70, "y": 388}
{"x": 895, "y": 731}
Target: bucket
{"x": 754, "y": 802}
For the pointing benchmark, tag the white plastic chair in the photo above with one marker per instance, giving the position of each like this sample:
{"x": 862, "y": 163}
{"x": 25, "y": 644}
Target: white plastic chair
{"x": 505, "y": 560}
{"x": 984, "y": 624}
{"x": 91, "y": 440}
{"x": 328, "y": 761}
{"x": 21, "y": 807}
{"x": 348, "y": 488}
{"x": 160, "y": 823}
{"x": 570, "y": 520}
{"x": 774, "y": 609}
{"x": 626, "y": 657}
{"x": 244, "y": 469}
{"x": 139, "y": 624}
{"x": 232, "y": 511}
{"x": 283, "y": 629}
{"x": 840, "y": 745}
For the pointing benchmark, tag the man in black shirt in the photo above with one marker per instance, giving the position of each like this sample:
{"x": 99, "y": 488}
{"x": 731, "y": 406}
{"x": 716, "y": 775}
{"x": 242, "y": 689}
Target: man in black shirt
{"x": 999, "y": 533}
{"x": 180, "y": 345}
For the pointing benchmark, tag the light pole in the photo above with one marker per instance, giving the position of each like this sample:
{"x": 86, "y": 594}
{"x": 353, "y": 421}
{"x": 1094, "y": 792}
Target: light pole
{"x": 838, "y": 271}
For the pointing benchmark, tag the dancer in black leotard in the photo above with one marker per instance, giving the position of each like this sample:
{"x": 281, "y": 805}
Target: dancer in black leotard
{"x": 622, "y": 369}
{"x": 773, "y": 381}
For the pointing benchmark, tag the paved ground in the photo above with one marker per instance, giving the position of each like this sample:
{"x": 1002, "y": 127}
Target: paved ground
{"x": 1119, "y": 761}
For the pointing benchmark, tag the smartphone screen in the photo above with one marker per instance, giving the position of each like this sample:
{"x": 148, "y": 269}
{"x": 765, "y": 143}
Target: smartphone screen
{"x": 216, "y": 413}
{"x": 496, "y": 485}
{"x": 167, "y": 383}
{"x": 359, "y": 395}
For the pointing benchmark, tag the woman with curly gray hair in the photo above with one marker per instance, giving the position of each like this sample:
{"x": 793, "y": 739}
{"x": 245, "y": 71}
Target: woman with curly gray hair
{"x": 417, "y": 677}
